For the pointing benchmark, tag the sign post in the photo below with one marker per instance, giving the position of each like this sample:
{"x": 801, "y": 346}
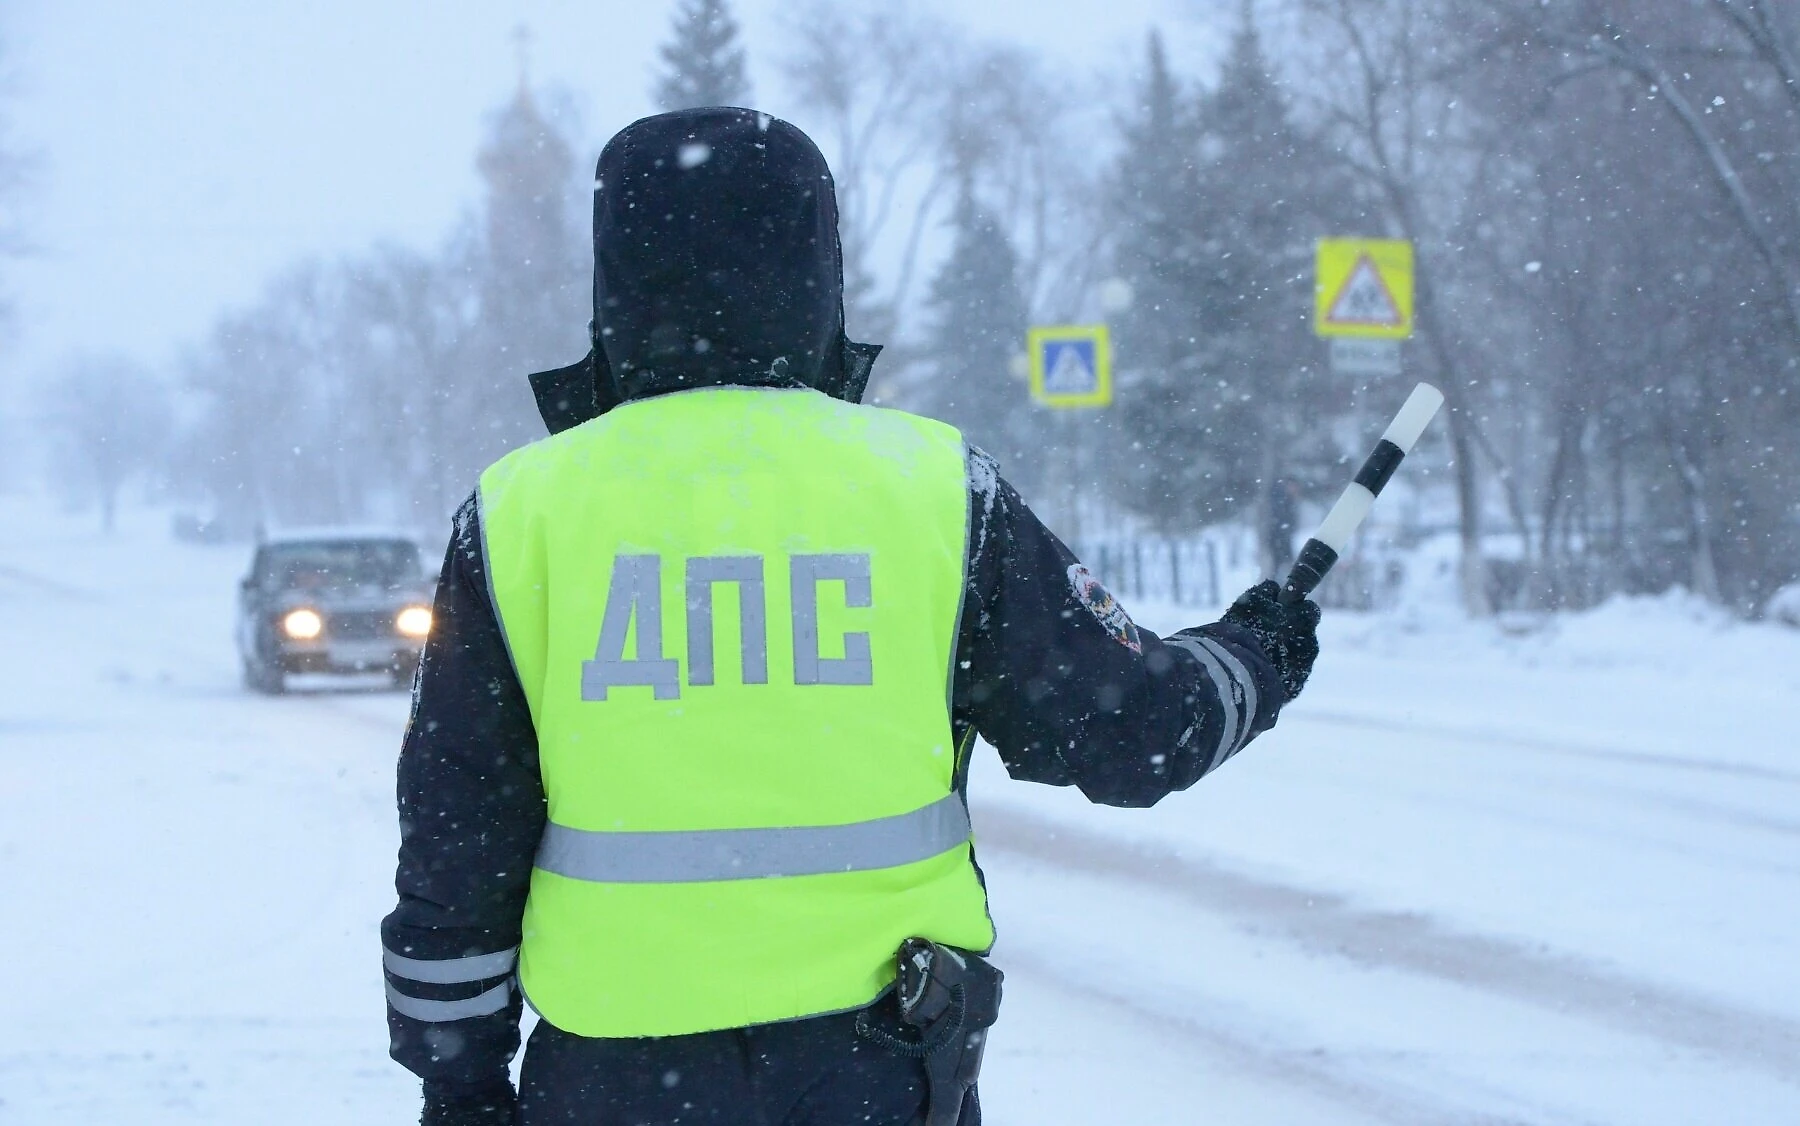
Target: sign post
{"x": 1071, "y": 366}
{"x": 1363, "y": 303}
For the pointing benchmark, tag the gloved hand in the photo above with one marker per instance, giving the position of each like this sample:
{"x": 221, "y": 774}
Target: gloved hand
{"x": 454, "y": 1104}
{"x": 1289, "y": 635}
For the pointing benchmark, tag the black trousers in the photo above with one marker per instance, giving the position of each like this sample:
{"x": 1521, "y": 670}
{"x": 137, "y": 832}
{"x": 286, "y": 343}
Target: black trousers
{"x": 814, "y": 1072}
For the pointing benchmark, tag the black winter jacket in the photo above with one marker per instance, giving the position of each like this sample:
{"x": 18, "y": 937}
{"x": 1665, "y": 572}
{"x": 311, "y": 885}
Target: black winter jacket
{"x": 1049, "y": 670}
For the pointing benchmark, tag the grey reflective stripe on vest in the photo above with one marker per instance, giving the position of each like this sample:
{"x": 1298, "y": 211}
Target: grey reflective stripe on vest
{"x": 437, "y": 1012}
{"x": 449, "y": 971}
{"x": 749, "y": 854}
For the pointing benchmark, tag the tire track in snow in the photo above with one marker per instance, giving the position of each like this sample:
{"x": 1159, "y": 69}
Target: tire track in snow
{"x": 1312, "y": 1072}
{"x": 1552, "y": 747}
{"x": 36, "y": 585}
{"x": 1328, "y": 924}
{"x": 1684, "y": 802}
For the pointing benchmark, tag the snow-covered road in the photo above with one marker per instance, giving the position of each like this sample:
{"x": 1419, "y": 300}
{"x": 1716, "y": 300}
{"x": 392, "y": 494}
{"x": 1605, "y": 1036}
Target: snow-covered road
{"x": 1471, "y": 878}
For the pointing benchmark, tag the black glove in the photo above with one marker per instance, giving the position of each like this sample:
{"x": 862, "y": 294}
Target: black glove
{"x": 454, "y": 1104}
{"x": 1289, "y": 635}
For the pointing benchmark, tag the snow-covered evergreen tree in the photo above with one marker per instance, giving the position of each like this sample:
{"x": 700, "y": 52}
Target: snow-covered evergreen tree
{"x": 977, "y": 328}
{"x": 704, "y": 59}
{"x": 1224, "y": 198}
{"x": 1154, "y": 190}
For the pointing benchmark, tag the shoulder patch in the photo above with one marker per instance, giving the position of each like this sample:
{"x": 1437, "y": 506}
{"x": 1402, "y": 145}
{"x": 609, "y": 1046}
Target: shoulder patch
{"x": 1105, "y": 608}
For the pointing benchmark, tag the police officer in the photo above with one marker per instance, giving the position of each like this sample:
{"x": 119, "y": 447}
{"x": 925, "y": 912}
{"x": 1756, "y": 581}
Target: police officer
{"x": 690, "y": 742}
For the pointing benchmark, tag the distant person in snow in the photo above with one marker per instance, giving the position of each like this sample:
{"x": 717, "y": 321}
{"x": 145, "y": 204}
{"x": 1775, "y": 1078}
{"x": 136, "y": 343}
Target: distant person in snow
{"x": 1281, "y": 519}
{"x": 689, "y": 751}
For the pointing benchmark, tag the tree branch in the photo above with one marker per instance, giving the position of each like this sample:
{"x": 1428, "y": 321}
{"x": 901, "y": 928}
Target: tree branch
{"x": 1662, "y": 83}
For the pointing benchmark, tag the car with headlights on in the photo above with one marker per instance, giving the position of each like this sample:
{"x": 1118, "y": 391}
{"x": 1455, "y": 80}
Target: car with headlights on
{"x": 330, "y": 601}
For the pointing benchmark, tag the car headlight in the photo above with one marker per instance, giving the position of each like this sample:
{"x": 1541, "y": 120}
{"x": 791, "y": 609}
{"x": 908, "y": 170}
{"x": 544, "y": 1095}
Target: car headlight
{"x": 414, "y": 621}
{"x": 303, "y": 625}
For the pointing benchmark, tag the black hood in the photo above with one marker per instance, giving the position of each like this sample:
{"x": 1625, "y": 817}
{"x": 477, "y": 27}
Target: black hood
{"x": 716, "y": 262}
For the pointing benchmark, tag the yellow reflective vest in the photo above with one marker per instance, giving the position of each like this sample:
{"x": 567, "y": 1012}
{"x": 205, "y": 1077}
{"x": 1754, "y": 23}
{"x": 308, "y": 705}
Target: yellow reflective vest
{"x": 733, "y": 612}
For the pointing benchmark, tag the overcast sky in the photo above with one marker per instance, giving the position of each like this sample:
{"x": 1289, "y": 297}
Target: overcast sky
{"x": 190, "y": 150}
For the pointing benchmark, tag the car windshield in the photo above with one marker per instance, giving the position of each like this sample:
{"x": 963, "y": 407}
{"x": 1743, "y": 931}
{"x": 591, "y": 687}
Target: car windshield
{"x": 341, "y": 565}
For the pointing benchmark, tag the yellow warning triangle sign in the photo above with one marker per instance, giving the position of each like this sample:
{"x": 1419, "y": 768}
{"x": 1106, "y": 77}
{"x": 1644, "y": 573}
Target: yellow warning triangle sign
{"x": 1364, "y": 287}
{"x": 1364, "y": 299}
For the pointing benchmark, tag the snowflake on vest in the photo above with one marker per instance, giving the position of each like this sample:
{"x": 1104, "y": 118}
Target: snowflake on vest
{"x": 1105, "y": 608}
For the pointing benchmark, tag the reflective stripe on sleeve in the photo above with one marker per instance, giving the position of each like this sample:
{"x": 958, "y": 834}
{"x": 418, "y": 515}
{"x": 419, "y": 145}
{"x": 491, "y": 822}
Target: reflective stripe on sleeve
{"x": 749, "y": 854}
{"x": 449, "y": 971}
{"x": 1234, "y": 716}
{"x": 1245, "y": 681}
{"x": 438, "y": 1012}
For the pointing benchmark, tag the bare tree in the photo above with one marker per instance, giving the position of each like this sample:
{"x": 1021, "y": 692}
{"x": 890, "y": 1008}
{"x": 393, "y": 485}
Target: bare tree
{"x": 379, "y": 387}
{"x": 271, "y": 392}
{"x": 403, "y": 328}
{"x": 109, "y": 418}
{"x": 868, "y": 79}
{"x": 17, "y": 170}
{"x": 1395, "y": 121}
{"x": 1662, "y": 135}
{"x": 1679, "y": 52}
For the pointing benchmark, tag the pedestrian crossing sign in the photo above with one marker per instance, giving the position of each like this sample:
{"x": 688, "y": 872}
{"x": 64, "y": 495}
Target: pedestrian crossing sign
{"x": 1364, "y": 287}
{"x": 1071, "y": 366}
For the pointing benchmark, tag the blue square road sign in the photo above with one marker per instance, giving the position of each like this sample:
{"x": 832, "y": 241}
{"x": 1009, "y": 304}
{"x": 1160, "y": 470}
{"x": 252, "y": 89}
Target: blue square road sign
{"x": 1071, "y": 366}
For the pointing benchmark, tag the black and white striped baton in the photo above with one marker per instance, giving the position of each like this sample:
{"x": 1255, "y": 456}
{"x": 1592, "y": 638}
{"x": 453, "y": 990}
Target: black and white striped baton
{"x": 1333, "y": 536}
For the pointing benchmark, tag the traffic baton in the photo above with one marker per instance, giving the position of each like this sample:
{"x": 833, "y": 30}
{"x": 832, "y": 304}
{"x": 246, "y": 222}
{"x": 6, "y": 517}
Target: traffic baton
{"x": 1333, "y": 536}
